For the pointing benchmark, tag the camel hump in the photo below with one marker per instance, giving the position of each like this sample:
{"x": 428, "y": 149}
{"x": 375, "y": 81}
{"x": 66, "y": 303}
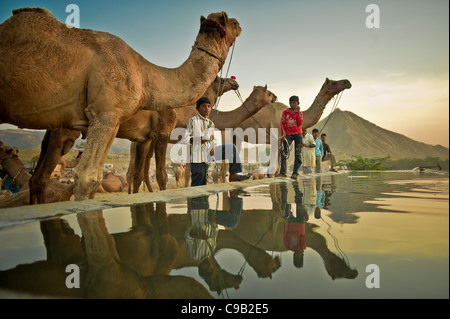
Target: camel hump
{"x": 37, "y": 10}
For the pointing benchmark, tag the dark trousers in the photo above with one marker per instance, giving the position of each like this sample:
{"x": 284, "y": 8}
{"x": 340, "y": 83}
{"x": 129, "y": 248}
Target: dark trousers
{"x": 199, "y": 173}
{"x": 298, "y": 140}
{"x": 229, "y": 152}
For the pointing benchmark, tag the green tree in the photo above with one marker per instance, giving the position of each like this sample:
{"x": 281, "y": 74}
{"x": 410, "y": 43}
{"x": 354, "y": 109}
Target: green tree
{"x": 359, "y": 163}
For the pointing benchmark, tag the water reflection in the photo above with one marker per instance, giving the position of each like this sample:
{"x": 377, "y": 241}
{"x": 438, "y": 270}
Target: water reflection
{"x": 289, "y": 229}
{"x": 141, "y": 262}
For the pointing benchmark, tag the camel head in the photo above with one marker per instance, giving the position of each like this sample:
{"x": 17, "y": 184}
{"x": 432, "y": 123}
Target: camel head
{"x": 338, "y": 268}
{"x": 331, "y": 87}
{"x": 7, "y": 152}
{"x": 220, "y": 25}
{"x": 217, "y": 278}
{"x": 217, "y": 34}
{"x": 262, "y": 96}
{"x": 226, "y": 84}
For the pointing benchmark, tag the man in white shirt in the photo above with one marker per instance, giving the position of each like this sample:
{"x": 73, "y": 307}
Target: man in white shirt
{"x": 200, "y": 135}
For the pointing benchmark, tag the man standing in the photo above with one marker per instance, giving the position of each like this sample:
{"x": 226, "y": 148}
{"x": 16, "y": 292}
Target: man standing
{"x": 291, "y": 130}
{"x": 200, "y": 135}
{"x": 319, "y": 149}
{"x": 327, "y": 155}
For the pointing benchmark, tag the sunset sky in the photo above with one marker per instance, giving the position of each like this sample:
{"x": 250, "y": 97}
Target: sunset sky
{"x": 399, "y": 71}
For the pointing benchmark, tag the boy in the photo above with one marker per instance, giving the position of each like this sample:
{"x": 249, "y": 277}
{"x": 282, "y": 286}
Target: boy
{"x": 319, "y": 149}
{"x": 200, "y": 135}
{"x": 291, "y": 130}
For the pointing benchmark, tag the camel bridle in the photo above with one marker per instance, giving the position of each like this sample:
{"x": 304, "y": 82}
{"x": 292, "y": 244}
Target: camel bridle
{"x": 216, "y": 25}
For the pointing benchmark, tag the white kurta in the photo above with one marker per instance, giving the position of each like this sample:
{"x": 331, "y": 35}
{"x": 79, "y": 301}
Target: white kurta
{"x": 197, "y": 127}
{"x": 308, "y": 153}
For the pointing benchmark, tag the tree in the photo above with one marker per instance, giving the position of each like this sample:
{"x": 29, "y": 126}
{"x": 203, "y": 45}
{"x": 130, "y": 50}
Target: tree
{"x": 359, "y": 163}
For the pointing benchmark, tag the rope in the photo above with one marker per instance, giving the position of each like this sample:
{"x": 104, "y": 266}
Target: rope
{"x": 219, "y": 96}
{"x": 286, "y": 151}
{"x": 256, "y": 121}
{"x": 336, "y": 102}
{"x": 336, "y": 243}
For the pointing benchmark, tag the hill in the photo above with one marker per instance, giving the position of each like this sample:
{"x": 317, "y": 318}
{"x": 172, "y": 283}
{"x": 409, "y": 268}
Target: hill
{"x": 31, "y": 139}
{"x": 348, "y": 134}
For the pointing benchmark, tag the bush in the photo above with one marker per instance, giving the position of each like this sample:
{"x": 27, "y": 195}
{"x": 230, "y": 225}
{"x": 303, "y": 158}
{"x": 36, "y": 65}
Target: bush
{"x": 359, "y": 163}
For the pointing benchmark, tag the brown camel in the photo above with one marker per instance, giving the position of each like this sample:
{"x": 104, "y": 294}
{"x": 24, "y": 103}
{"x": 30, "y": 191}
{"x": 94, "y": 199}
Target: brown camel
{"x": 179, "y": 172}
{"x": 257, "y": 100}
{"x": 159, "y": 127}
{"x": 56, "y": 192}
{"x": 113, "y": 183}
{"x": 141, "y": 128}
{"x": 270, "y": 116}
{"x": 92, "y": 81}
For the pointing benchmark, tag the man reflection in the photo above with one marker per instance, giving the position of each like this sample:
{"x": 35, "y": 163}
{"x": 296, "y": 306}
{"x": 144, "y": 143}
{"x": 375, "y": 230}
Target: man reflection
{"x": 294, "y": 227}
{"x": 201, "y": 239}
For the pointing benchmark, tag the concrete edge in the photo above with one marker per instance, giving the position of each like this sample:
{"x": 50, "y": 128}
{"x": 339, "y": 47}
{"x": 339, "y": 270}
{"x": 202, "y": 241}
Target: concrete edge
{"x": 13, "y": 215}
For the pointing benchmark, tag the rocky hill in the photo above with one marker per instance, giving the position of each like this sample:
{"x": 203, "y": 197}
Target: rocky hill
{"x": 348, "y": 134}
{"x": 31, "y": 139}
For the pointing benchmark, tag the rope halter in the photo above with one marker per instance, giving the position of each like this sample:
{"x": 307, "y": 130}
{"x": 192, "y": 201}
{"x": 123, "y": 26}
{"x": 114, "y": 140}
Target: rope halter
{"x": 216, "y": 25}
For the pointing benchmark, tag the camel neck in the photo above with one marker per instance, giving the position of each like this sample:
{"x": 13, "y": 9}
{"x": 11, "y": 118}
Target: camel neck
{"x": 17, "y": 171}
{"x": 184, "y": 85}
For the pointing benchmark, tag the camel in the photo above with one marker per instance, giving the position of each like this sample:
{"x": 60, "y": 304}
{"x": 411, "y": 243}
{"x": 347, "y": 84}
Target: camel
{"x": 92, "y": 81}
{"x": 62, "y": 165}
{"x": 158, "y": 128}
{"x": 113, "y": 183}
{"x": 270, "y": 116}
{"x": 140, "y": 128}
{"x": 258, "y": 99}
{"x": 179, "y": 172}
{"x": 10, "y": 162}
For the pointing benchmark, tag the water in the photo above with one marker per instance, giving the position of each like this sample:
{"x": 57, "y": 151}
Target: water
{"x": 376, "y": 235}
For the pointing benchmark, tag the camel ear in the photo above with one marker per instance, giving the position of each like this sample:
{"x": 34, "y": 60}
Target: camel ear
{"x": 327, "y": 80}
{"x": 223, "y": 18}
{"x": 254, "y": 87}
{"x": 265, "y": 88}
{"x": 202, "y": 18}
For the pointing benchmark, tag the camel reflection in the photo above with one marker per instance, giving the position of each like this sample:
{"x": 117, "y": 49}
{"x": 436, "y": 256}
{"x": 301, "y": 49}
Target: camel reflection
{"x": 126, "y": 265}
{"x": 137, "y": 263}
{"x": 278, "y": 229}
{"x": 199, "y": 239}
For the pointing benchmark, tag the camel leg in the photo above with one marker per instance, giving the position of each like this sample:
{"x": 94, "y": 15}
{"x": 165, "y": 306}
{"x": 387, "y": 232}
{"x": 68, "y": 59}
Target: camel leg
{"x": 160, "y": 158}
{"x": 102, "y": 130}
{"x": 56, "y": 143}
{"x": 148, "y": 159}
{"x": 139, "y": 165}
{"x": 131, "y": 166}
{"x": 187, "y": 174}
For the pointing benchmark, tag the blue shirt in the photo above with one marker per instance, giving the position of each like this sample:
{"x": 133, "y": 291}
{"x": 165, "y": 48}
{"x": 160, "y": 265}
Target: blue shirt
{"x": 319, "y": 147}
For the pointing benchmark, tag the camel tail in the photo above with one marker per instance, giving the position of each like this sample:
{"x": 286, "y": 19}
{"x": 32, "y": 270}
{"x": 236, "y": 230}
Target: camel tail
{"x": 37, "y": 10}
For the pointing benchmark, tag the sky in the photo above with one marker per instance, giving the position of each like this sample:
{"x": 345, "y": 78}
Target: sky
{"x": 397, "y": 61}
